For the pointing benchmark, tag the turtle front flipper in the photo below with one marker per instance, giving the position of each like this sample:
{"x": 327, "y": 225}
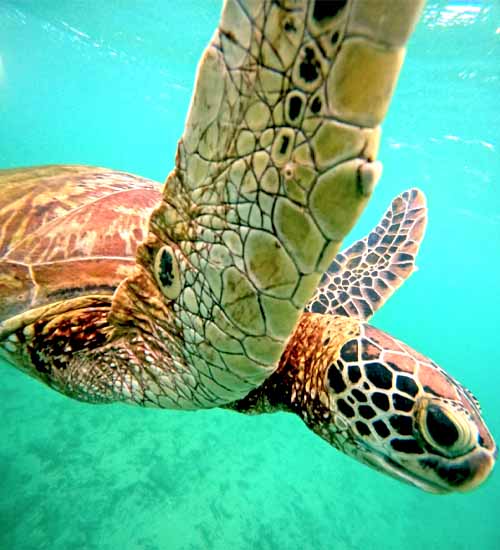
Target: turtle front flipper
{"x": 276, "y": 163}
{"x": 365, "y": 275}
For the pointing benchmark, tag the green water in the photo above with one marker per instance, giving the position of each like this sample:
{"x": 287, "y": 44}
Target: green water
{"x": 108, "y": 83}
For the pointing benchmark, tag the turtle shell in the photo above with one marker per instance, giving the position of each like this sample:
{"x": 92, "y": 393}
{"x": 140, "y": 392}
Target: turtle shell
{"x": 68, "y": 231}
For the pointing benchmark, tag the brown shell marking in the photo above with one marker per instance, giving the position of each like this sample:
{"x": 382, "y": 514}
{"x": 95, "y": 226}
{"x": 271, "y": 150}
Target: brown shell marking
{"x": 67, "y": 231}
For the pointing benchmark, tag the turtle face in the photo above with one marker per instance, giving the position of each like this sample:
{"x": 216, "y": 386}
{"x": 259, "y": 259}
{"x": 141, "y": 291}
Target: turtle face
{"x": 399, "y": 412}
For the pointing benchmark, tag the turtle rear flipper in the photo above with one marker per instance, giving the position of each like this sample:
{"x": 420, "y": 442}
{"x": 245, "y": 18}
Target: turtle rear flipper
{"x": 362, "y": 277}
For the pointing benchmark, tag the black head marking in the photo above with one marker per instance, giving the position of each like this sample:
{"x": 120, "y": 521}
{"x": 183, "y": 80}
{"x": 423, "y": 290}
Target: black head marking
{"x": 317, "y": 307}
{"x": 354, "y": 373}
{"x": 402, "y": 424}
{"x": 354, "y": 262}
{"x": 381, "y": 401}
{"x": 379, "y": 375}
{"x": 373, "y": 239}
{"x": 372, "y": 295}
{"x": 372, "y": 258}
{"x": 402, "y": 403}
{"x": 362, "y": 428}
{"x": 359, "y": 395}
{"x": 381, "y": 428}
{"x": 409, "y": 446}
{"x": 357, "y": 247}
{"x": 369, "y": 351}
{"x": 345, "y": 409}
{"x": 366, "y": 411}
{"x": 407, "y": 385}
{"x": 335, "y": 379}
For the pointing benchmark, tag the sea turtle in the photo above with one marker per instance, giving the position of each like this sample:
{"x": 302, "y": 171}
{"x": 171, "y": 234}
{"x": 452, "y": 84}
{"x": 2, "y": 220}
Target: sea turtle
{"x": 194, "y": 297}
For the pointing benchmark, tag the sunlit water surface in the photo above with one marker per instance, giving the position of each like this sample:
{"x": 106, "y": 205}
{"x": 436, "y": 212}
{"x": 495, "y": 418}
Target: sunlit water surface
{"x": 108, "y": 83}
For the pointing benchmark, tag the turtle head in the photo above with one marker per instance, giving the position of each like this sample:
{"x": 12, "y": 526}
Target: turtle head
{"x": 397, "y": 411}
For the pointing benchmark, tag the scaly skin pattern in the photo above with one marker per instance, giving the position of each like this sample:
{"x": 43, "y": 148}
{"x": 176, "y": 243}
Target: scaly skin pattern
{"x": 381, "y": 402}
{"x": 361, "y": 279}
{"x": 275, "y": 165}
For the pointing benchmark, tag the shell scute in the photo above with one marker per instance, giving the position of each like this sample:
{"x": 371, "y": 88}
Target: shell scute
{"x": 68, "y": 231}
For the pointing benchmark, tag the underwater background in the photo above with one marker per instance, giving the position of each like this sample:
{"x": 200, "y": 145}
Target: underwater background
{"x": 109, "y": 83}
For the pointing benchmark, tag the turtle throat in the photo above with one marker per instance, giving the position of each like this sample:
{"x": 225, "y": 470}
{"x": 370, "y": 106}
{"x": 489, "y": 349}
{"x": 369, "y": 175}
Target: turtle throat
{"x": 298, "y": 384}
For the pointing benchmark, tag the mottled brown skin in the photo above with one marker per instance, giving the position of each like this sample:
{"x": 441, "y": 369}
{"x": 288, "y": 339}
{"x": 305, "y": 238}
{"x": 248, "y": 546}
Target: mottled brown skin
{"x": 47, "y": 346}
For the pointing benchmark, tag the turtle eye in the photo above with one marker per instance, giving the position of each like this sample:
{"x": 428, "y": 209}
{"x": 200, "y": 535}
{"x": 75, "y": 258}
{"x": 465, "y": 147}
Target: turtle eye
{"x": 446, "y": 431}
{"x": 167, "y": 272}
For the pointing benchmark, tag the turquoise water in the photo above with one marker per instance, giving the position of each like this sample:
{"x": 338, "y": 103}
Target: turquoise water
{"x": 108, "y": 83}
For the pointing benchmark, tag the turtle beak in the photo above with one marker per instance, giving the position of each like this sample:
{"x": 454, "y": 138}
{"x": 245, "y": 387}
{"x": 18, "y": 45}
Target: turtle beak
{"x": 435, "y": 474}
{"x": 399, "y": 472}
{"x": 470, "y": 472}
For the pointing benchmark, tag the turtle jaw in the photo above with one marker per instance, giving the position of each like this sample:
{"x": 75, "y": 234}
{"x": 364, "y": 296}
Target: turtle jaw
{"x": 390, "y": 467}
{"x": 438, "y": 475}
{"x": 465, "y": 473}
